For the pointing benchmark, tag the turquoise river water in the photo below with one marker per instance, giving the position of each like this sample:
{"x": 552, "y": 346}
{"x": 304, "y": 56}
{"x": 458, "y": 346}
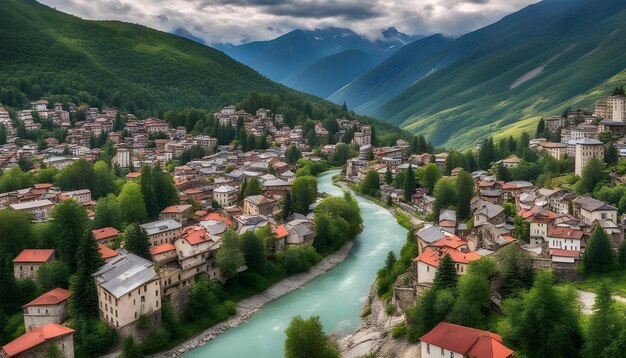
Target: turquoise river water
{"x": 336, "y": 296}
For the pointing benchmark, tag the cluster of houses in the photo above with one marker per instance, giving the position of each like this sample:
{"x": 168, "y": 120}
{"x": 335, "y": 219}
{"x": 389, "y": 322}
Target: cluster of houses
{"x": 183, "y": 241}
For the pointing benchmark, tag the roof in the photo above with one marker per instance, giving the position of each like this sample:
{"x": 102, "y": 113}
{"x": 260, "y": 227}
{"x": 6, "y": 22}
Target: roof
{"x": 176, "y": 209}
{"x": 565, "y": 232}
{"x": 258, "y": 200}
{"x": 159, "y": 249}
{"x": 591, "y": 204}
{"x": 589, "y": 141}
{"x": 39, "y": 255}
{"x": 218, "y": 217}
{"x": 451, "y": 241}
{"x": 565, "y": 253}
{"x": 35, "y": 337}
{"x": 104, "y": 233}
{"x": 195, "y": 235}
{"x": 432, "y": 258}
{"x": 467, "y": 341}
{"x": 125, "y": 273}
{"x": 31, "y": 204}
{"x": 158, "y": 226}
{"x": 51, "y": 297}
{"x": 280, "y": 231}
{"x": 107, "y": 253}
{"x": 430, "y": 234}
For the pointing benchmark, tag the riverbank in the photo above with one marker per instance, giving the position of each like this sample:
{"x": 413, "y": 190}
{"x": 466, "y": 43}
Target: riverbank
{"x": 247, "y": 307}
{"x": 373, "y": 336}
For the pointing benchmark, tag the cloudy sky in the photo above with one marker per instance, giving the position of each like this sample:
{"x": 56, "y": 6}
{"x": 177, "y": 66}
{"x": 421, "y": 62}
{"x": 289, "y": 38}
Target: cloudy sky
{"x": 240, "y": 21}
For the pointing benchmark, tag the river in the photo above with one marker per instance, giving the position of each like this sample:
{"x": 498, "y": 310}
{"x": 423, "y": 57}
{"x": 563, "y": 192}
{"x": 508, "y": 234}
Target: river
{"x": 337, "y": 296}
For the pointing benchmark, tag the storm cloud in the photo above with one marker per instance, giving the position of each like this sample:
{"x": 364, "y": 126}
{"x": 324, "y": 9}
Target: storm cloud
{"x": 240, "y": 21}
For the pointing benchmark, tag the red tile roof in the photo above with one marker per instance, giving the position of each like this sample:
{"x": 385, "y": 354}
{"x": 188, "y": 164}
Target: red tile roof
{"x": 107, "y": 253}
{"x": 176, "y": 209}
{"x": 432, "y": 258}
{"x": 159, "y": 249}
{"x": 35, "y": 337}
{"x": 467, "y": 341}
{"x": 281, "y": 231}
{"x": 565, "y": 232}
{"x": 565, "y": 253}
{"x": 104, "y": 233}
{"x": 34, "y": 256}
{"x": 195, "y": 235}
{"x": 43, "y": 186}
{"x": 133, "y": 175}
{"x": 449, "y": 241}
{"x": 52, "y": 297}
{"x": 218, "y": 217}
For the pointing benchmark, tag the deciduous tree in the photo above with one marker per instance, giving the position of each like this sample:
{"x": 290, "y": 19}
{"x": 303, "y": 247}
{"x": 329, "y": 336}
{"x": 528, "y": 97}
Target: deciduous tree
{"x": 306, "y": 338}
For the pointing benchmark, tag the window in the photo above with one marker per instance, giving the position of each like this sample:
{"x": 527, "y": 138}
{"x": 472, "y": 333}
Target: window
{"x": 428, "y": 348}
{"x": 156, "y": 293}
{"x": 451, "y": 354}
{"x": 442, "y": 352}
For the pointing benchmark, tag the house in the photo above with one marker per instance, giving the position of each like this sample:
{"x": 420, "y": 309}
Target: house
{"x": 300, "y": 233}
{"x": 564, "y": 237}
{"x": 281, "y": 234}
{"x": 454, "y": 341}
{"x": 51, "y": 307}
{"x": 128, "y": 287}
{"x": 487, "y": 212}
{"x": 589, "y": 210}
{"x": 39, "y": 209}
{"x": 37, "y": 342}
{"x": 585, "y": 150}
{"x": 425, "y": 265}
{"x": 226, "y": 195}
{"x": 107, "y": 254}
{"x": 162, "y": 231}
{"x": 180, "y": 213}
{"x": 427, "y": 236}
{"x": 276, "y": 186}
{"x": 26, "y": 264}
{"x": 105, "y": 235}
{"x": 258, "y": 205}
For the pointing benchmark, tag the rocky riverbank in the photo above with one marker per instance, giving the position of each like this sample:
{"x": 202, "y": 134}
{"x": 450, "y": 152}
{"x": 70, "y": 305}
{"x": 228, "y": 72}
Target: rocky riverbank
{"x": 374, "y": 335}
{"x": 248, "y": 306}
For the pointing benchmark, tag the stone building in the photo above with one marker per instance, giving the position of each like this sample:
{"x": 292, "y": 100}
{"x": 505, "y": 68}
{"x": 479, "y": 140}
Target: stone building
{"x": 51, "y": 307}
{"x": 26, "y": 264}
{"x": 37, "y": 341}
{"x": 585, "y": 150}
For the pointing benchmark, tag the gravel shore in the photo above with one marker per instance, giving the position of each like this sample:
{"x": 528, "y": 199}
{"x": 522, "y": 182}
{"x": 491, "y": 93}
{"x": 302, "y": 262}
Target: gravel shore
{"x": 248, "y": 306}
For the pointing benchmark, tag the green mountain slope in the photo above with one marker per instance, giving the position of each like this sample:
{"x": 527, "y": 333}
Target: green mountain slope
{"x": 44, "y": 52}
{"x": 392, "y": 76}
{"x": 47, "y": 53}
{"x": 545, "y": 58}
{"x": 331, "y": 72}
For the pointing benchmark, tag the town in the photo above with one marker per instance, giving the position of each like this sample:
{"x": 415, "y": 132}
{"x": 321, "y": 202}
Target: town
{"x": 156, "y": 216}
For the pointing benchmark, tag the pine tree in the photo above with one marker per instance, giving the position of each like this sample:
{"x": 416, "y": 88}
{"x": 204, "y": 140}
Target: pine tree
{"x": 253, "y": 187}
{"x": 604, "y": 325}
{"x": 464, "y": 190}
{"x": 70, "y": 224}
{"x": 446, "y": 276}
{"x": 390, "y": 261}
{"x": 287, "y": 209}
{"x": 84, "y": 301}
{"x": 541, "y": 128}
{"x": 409, "y": 183}
{"x": 611, "y": 156}
{"x": 598, "y": 256}
{"x": 137, "y": 241}
{"x": 388, "y": 177}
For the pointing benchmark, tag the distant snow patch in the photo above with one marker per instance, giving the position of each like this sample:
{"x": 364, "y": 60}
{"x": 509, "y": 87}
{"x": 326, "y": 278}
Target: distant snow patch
{"x": 537, "y": 71}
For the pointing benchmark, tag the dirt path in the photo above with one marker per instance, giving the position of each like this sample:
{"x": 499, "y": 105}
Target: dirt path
{"x": 588, "y": 298}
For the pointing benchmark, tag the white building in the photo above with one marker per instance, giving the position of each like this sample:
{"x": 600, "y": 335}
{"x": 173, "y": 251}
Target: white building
{"x": 449, "y": 340}
{"x": 616, "y": 108}
{"x": 226, "y": 195}
{"x": 585, "y": 150}
{"x": 128, "y": 287}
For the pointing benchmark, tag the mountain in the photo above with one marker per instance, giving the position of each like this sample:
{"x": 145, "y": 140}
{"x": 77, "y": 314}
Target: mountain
{"x": 47, "y": 53}
{"x": 285, "y": 58}
{"x": 330, "y": 72}
{"x": 398, "y": 72}
{"x": 538, "y": 61}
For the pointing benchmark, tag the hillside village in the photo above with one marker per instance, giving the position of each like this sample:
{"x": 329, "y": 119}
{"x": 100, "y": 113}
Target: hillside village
{"x": 234, "y": 184}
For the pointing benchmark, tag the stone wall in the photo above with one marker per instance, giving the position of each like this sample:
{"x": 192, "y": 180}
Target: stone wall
{"x": 141, "y": 333}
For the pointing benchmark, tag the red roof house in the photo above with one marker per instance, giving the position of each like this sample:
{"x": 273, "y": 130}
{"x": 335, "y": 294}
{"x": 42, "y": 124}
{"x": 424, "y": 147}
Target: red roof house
{"x": 51, "y": 297}
{"x": 36, "y": 337}
{"x": 107, "y": 253}
{"x": 34, "y": 256}
{"x": 447, "y": 338}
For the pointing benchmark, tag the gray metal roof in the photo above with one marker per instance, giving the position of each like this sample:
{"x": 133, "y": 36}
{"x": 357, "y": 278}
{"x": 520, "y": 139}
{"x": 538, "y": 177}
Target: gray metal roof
{"x": 156, "y": 227}
{"x": 430, "y": 234}
{"x": 124, "y": 274}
